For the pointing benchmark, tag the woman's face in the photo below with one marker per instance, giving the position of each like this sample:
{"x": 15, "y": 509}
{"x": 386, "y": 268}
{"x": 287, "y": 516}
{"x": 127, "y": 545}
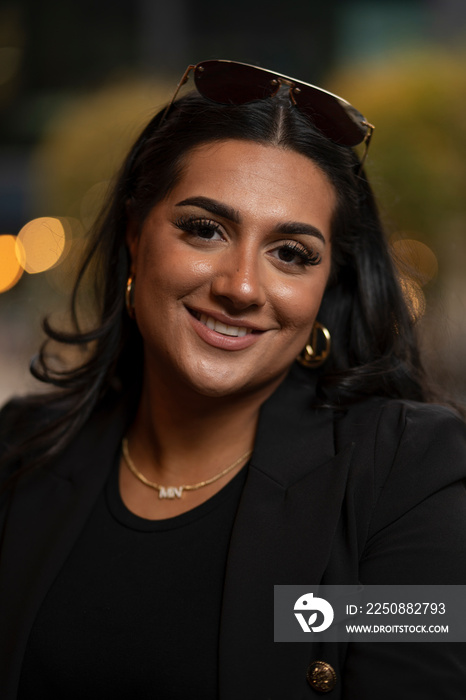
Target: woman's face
{"x": 231, "y": 266}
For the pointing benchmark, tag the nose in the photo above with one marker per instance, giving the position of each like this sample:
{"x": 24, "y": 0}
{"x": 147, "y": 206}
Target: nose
{"x": 237, "y": 280}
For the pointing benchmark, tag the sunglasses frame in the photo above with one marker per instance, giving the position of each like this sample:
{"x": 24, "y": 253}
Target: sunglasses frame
{"x": 279, "y": 80}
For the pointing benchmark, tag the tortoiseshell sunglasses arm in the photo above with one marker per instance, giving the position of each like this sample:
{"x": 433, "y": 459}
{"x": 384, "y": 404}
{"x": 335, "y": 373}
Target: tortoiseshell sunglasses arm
{"x": 367, "y": 140}
{"x": 184, "y": 79}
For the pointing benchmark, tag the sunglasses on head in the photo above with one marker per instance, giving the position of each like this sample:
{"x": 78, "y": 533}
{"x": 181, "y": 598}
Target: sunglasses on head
{"x": 229, "y": 82}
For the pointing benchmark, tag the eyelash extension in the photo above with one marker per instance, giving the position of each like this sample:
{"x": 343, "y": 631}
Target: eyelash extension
{"x": 308, "y": 257}
{"x": 196, "y": 224}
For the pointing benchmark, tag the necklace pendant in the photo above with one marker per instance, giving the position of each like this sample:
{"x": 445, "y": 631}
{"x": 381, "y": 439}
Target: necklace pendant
{"x": 170, "y": 492}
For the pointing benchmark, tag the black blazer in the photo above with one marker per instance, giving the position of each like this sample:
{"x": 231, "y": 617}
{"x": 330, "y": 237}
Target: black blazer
{"x": 372, "y": 495}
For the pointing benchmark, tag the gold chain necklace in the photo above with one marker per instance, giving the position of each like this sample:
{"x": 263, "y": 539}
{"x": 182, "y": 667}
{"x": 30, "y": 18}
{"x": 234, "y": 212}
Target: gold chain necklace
{"x": 175, "y": 491}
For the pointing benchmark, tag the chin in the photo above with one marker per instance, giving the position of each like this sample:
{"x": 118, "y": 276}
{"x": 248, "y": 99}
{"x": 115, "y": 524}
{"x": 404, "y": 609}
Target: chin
{"x": 225, "y": 385}
{"x": 212, "y": 389}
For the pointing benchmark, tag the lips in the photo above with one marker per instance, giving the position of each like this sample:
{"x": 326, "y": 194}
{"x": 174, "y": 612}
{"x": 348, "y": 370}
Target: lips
{"x": 223, "y": 328}
{"x": 218, "y": 333}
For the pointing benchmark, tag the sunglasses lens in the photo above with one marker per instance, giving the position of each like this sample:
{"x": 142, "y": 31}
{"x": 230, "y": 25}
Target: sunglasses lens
{"x": 228, "y": 82}
{"x": 233, "y": 83}
{"x": 337, "y": 120}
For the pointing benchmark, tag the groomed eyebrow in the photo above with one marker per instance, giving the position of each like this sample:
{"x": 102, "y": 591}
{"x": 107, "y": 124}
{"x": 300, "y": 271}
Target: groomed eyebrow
{"x": 296, "y": 227}
{"x": 287, "y": 228}
{"x": 213, "y": 207}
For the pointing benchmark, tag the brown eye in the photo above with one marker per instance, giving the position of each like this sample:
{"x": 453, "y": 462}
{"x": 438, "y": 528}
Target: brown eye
{"x": 207, "y": 232}
{"x": 297, "y": 254}
{"x": 202, "y": 228}
{"x": 287, "y": 255}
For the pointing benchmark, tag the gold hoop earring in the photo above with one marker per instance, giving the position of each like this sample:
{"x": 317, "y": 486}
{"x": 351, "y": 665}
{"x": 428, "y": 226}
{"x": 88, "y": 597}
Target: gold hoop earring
{"x": 129, "y": 297}
{"x": 313, "y": 354}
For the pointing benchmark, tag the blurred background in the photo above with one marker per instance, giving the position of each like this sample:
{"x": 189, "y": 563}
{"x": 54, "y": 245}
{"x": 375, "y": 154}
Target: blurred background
{"x": 78, "y": 79}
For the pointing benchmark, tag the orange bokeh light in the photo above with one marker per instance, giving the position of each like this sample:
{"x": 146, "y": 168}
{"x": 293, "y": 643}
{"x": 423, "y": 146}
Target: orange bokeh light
{"x": 10, "y": 268}
{"x": 43, "y": 242}
{"x": 417, "y": 259}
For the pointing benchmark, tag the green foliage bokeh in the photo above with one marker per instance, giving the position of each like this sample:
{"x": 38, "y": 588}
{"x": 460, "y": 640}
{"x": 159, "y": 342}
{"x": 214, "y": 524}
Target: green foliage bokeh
{"x": 417, "y": 163}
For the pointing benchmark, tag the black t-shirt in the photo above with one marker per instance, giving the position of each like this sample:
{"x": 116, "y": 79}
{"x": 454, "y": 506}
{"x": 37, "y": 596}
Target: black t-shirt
{"x": 135, "y": 610}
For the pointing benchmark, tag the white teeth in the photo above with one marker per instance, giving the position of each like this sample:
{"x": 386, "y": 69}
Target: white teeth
{"x": 236, "y": 331}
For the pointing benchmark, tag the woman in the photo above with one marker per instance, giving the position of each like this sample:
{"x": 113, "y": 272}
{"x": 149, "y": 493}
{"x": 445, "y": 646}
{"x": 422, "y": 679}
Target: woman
{"x": 189, "y": 463}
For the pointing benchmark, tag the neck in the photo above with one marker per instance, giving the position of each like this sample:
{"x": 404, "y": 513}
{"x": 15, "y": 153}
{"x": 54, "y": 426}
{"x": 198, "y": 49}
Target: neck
{"x": 185, "y": 435}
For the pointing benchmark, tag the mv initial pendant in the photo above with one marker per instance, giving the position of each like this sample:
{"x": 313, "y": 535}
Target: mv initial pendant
{"x": 170, "y": 492}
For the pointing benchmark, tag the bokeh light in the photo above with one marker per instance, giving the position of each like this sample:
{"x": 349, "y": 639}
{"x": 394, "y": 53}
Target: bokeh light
{"x": 10, "y": 268}
{"x": 414, "y": 297}
{"x": 61, "y": 277}
{"x": 43, "y": 243}
{"x": 416, "y": 258}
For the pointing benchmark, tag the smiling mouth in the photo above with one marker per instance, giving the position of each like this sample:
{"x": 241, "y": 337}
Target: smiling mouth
{"x": 219, "y": 327}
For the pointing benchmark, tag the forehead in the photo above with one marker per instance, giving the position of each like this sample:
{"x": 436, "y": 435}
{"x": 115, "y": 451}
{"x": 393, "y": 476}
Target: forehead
{"x": 257, "y": 178}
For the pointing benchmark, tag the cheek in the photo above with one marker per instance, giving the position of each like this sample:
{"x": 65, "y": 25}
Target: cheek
{"x": 298, "y": 303}
{"x": 169, "y": 269}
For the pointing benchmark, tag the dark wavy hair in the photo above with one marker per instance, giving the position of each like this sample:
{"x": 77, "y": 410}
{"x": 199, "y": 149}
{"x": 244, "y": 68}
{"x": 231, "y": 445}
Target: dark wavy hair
{"x": 374, "y": 350}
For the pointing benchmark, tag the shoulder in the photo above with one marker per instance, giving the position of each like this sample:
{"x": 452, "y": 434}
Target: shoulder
{"x": 403, "y": 453}
{"x": 21, "y": 417}
{"x": 46, "y": 430}
{"x": 392, "y": 424}
{"x": 14, "y": 416}
{"x": 396, "y": 415}
{"x": 9, "y": 413}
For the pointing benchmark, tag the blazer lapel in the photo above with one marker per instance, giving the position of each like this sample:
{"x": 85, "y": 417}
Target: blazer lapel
{"x": 283, "y": 534}
{"x": 48, "y": 511}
